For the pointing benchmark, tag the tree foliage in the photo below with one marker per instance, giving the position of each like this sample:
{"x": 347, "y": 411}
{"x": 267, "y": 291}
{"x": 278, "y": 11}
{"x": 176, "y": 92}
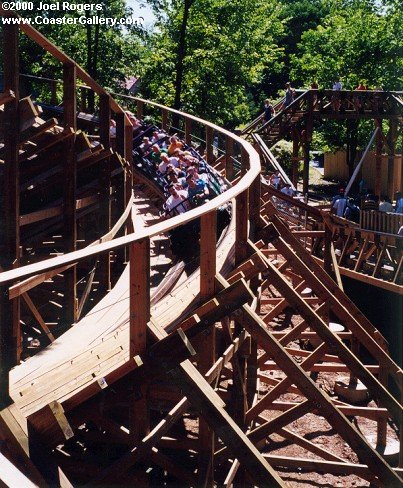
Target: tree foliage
{"x": 107, "y": 53}
{"x": 227, "y": 46}
{"x": 356, "y": 41}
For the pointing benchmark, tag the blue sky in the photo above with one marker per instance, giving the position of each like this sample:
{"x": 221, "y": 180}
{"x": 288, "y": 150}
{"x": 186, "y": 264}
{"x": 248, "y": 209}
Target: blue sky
{"x": 139, "y": 11}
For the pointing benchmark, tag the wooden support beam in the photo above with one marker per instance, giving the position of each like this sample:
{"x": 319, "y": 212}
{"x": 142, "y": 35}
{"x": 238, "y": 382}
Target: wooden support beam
{"x": 392, "y": 137}
{"x": 206, "y": 400}
{"x": 207, "y": 342}
{"x": 229, "y": 151}
{"x": 188, "y": 131}
{"x": 69, "y": 194}
{"x": 209, "y": 144}
{"x": 335, "y": 344}
{"x": 51, "y": 424}
{"x": 208, "y": 235}
{"x": 321, "y": 401}
{"x": 242, "y": 224}
{"x": 10, "y": 333}
{"x": 378, "y": 158}
{"x": 345, "y": 309}
{"x": 38, "y": 316}
{"x": 307, "y": 142}
{"x": 333, "y": 467}
{"x": 295, "y": 157}
{"x": 33, "y": 132}
{"x": 104, "y": 179}
{"x": 282, "y": 387}
{"x": 254, "y": 205}
{"x": 139, "y": 317}
{"x": 11, "y": 439}
{"x": 141, "y": 450}
{"x": 336, "y": 269}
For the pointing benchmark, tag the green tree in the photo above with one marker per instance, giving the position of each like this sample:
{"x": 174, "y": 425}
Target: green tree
{"x": 107, "y": 53}
{"x": 356, "y": 41}
{"x": 205, "y": 55}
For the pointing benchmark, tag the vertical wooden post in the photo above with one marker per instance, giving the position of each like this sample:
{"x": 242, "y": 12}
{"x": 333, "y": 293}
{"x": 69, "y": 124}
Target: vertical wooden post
{"x": 229, "y": 152}
{"x": 53, "y": 92}
{"x": 241, "y": 231}
{"x": 206, "y": 342}
{"x": 10, "y": 334}
{"x": 254, "y": 205}
{"x": 105, "y": 190}
{"x": 120, "y": 194}
{"x": 140, "y": 109}
{"x": 129, "y": 169}
{"x": 295, "y": 157}
{"x": 69, "y": 196}
{"x": 209, "y": 144}
{"x": 139, "y": 316}
{"x": 208, "y": 226}
{"x": 382, "y": 423}
{"x": 83, "y": 99}
{"x": 164, "y": 119}
{"x": 378, "y": 159}
{"x": 244, "y": 161}
{"x": 307, "y": 141}
{"x": 327, "y": 256}
{"x": 188, "y": 131}
{"x": 392, "y": 136}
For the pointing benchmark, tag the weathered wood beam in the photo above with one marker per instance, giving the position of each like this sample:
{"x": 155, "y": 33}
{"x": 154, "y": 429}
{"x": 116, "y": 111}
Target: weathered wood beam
{"x": 206, "y": 400}
{"x": 334, "y": 343}
{"x": 139, "y": 317}
{"x": 10, "y": 333}
{"x": 349, "y": 433}
{"x": 326, "y": 288}
{"x": 105, "y": 190}
{"x": 206, "y": 342}
{"x": 282, "y": 387}
{"x": 69, "y": 192}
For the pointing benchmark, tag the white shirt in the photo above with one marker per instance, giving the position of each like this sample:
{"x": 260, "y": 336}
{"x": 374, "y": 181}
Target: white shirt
{"x": 173, "y": 201}
{"x": 162, "y": 167}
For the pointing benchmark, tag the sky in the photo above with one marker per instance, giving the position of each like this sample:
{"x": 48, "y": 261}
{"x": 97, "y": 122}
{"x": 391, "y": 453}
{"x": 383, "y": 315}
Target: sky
{"x": 139, "y": 11}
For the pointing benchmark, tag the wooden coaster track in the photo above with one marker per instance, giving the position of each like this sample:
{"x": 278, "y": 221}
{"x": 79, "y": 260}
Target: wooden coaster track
{"x": 187, "y": 391}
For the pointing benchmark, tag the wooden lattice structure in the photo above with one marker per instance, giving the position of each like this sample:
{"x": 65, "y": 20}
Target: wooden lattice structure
{"x": 165, "y": 387}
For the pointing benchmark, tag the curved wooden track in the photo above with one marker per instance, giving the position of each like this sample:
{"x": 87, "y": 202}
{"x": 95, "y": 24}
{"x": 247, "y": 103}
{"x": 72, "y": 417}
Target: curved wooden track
{"x": 161, "y": 384}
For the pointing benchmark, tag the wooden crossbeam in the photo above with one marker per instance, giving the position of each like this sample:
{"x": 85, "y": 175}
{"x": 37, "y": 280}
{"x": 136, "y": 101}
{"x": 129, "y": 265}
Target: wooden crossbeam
{"x": 324, "y": 287}
{"x": 282, "y": 387}
{"x": 51, "y": 424}
{"x": 336, "y": 267}
{"x": 206, "y": 400}
{"x": 33, "y": 132}
{"x": 350, "y": 434}
{"x": 38, "y": 316}
{"x": 141, "y": 450}
{"x": 372, "y": 413}
{"x": 334, "y": 343}
{"x": 308, "y": 445}
{"x": 11, "y": 449}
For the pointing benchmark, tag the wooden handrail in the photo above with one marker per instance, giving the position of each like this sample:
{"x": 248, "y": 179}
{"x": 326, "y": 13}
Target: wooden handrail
{"x": 286, "y": 110}
{"x": 243, "y": 184}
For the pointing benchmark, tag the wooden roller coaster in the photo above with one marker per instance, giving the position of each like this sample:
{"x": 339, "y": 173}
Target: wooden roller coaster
{"x": 163, "y": 373}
